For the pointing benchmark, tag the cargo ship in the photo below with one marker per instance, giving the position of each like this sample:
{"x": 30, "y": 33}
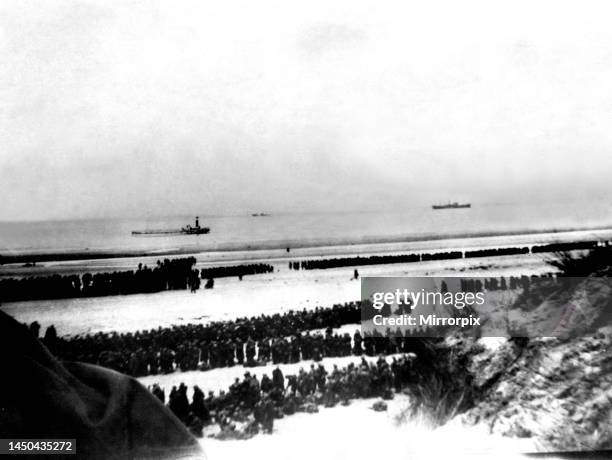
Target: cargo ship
{"x": 187, "y": 230}
{"x": 450, "y": 205}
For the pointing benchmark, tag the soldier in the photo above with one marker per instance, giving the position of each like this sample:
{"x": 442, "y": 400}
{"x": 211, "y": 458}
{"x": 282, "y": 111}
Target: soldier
{"x": 258, "y": 413}
{"x": 166, "y": 359}
{"x": 268, "y": 415}
{"x": 346, "y": 344}
{"x": 284, "y": 350}
{"x": 292, "y": 384}
{"x": 181, "y": 402}
{"x": 204, "y": 355}
{"x": 306, "y": 346}
{"x": 254, "y": 390}
{"x": 228, "y": 353}
{"x": 236, "y": 391}
{"x": 264, "y": 350}
{"x": 266, "y": 384}
{"x": 289, "y": 351}
{"x": 357, "y": 339}
{"x": 35, "y": 329}
{"x": 198, "y": 407}
{"x": 278, "y": 379}
{"x": 210, "y": 402}
{"x": 133, "y": 365}
{"x": 368, "y": 343}
{"x": 264, "y": 414}
{"x": 317, "y": 349}
{"x": 275, "y": 351}
{"x": 159, "y": 393}
{"x": 195, "y": 425}
{"x": 173, "y": 403}
{"x": 289, "y": 404}
{"x": 239, "y": 346}
{"x": 320, "y": 375}
{"x": 50, "y": 339}
{"x": 296, "y": 342}
{"x": 152, "y": 362}
{"x": 250, "y": 351}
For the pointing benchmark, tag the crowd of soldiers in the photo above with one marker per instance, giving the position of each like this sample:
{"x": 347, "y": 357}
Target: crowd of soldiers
{"x": 209, "y": 355}
{"x": 236, "y": 270}
{"x": 250, "y": 405}
{"x": 502, "y": 283}
{"x": 279, "y": 338}
{"x": 336, "y": 262}
{"x": 169, "y": 274}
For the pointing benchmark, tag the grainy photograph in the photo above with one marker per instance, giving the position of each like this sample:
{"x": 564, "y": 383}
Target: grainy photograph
{"x": 312, "y": 230}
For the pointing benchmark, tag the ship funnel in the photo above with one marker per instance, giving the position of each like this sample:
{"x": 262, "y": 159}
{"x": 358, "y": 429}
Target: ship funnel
{"x": 197, "y": 221}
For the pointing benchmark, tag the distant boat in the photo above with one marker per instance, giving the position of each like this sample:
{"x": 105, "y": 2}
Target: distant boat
{"x": 260, "y": 214}
{"x": 196, "y": 229}
{"x": 450, "y": 205}
{"x": 187, "y": 230}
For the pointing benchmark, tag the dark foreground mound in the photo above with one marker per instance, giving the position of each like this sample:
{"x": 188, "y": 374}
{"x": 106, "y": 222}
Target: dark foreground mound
{"x": 110, "y": 415}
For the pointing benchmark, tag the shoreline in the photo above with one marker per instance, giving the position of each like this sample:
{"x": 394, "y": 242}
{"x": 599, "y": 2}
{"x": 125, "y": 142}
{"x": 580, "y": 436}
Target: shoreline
{"x": 16, "y": 257}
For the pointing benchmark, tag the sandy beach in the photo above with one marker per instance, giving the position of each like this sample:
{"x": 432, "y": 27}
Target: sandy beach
{"x": 360, "y": 432}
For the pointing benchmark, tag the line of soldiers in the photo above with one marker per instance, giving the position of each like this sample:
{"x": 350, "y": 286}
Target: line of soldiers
{"x": 169, "y": 274}
{"x": 250, "y": 405}
{"x": 210, "y": 355}
{"x": 216, "y": 344}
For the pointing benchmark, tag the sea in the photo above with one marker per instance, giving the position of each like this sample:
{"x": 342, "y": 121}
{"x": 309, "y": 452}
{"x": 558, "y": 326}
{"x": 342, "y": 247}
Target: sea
{"x": 246, "y": 232}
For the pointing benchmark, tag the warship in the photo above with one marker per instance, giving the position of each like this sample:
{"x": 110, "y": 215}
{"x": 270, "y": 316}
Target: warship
{"x": 187, "y": 230}
{"x": 450, "y": 205}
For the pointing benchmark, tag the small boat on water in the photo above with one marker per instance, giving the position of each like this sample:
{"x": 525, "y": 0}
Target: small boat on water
{"x": 450, "y": 205}
{"x": 187, "y": 230}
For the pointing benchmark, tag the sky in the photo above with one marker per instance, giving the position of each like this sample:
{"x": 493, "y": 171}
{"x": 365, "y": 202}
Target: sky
{"x": 156, "y": 107}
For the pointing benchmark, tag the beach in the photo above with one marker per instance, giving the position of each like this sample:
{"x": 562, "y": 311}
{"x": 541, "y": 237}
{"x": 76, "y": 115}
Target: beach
{"x": 356, "y": 431}
{"x": 231, "y": 298}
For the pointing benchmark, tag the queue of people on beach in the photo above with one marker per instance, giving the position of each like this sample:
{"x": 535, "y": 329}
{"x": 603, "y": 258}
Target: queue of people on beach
{"x": 235, "y": 271}
{"x": 250, "y": 405}
{"x": 166, "y": 275}
{"x": 173, "y": 274}
{"x": 279, "y": 338}
{"x": 169, "y": 274}
{"x": 248, "y": 341}
{"x": 337, "y": 262}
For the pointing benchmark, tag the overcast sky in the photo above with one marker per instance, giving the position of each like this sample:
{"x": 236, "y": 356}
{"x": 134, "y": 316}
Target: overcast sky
{"x": 137, "y": 108}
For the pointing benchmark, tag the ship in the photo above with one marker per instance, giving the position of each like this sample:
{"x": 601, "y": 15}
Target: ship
{"x": 453, "y": 205}
{"x": 196, "y": 229}
{"x": 187, "y": 230}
